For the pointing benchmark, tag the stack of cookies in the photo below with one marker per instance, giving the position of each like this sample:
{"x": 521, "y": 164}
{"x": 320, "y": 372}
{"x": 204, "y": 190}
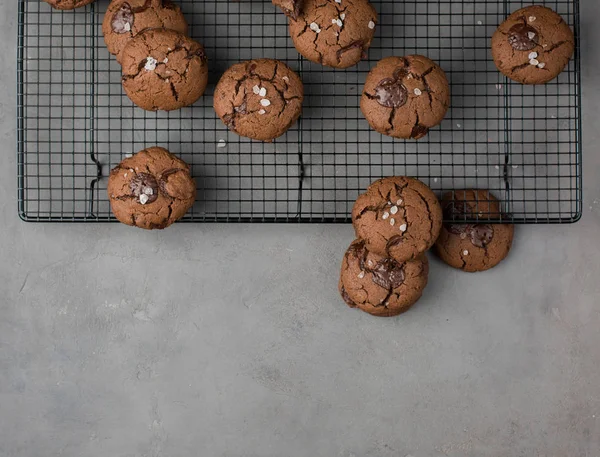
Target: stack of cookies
{"x": 385, "y": 270}
{"x": 163, "y": 69}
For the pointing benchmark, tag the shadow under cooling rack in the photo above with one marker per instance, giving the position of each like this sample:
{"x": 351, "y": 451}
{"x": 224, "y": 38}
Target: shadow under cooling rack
{"x": 523, "y": 143}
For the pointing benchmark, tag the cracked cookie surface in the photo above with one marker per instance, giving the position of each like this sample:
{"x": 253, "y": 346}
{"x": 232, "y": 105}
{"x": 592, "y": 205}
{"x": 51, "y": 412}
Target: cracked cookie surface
{"x": 151, "y": 190}
{"x": 163, "y": 70}
{"x": 332, "y": 33}
{"x": 291, "y": 8}
{"x": 473, "y": 247}
{"x": 397, "y": 217}
{"x": 259, "y": 99}
{"x": 124, "y": 19}
{"x": 533, "y": 45}
{"x": 68, "y": 4}
{"x": 381, "y": 286}
{"x": 404, "y": 97}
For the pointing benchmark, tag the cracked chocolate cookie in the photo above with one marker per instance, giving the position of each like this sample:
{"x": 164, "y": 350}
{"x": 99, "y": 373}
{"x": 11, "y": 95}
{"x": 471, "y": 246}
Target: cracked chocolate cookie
{"x": 397, "y": 217}
{"x": 163, "y": 70}
{"x": 381, "y": 286}
{"x": 68, "y": 4}
{"x": 404, "y": 97}
{"x": 259, "y": 99}
{"x": 334, "y": 33}
{"x": 291, "y": 8}
{"x": 473, "y": 247}
{"x": 124, "y": 19}
{"x": 533, "y": 46}
{"x": 151, "y": 190}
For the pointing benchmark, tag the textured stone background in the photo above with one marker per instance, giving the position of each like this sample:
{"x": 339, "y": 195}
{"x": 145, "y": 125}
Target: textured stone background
{"x": 211, "y": 340}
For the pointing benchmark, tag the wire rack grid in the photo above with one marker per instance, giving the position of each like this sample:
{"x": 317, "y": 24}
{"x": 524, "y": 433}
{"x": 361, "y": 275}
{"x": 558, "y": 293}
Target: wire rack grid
{"x": 523, "y": 143}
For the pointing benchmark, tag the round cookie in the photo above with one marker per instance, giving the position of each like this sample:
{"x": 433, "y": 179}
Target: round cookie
{"x": 332, "y": 33}
{"x": 533, "y": 46}
{"x": 291, "y": 8}
{"x": 404, "y": 97}
{"x": 151, "y": 190}
{"x": 68, "y": 4}
{"x": 473, "y": 247}
{"x": 259, "y": 99}
{"x": 163, "y": 70}
{"x": 397, "y": 217}
{"x": 381, "y": 286}
{"x": 124, "y": 19}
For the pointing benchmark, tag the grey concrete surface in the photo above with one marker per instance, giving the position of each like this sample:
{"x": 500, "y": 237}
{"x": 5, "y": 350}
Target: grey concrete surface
{"x": 212, "y": 340}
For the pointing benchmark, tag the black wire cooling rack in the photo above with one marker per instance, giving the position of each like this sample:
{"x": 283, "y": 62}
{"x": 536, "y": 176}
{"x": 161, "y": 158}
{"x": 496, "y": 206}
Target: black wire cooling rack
{"x": 523, "y": 143}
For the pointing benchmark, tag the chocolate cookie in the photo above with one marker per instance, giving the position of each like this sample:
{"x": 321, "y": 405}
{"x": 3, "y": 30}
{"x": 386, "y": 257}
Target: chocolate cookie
{"x": 151, "y": 190}
{"x": 334, "y": 33}
{"x": 163, "y": 70}
{"x": 124, "y": 19}
{"x": 68, "y": 4}
{"x": 291, "y": 8}
{"x": 259, "y": 99}
{"x": 533, "y": 46}
{"x": 473, "y": 247}
{"x": 381, "y": 286}
{"x": 405, "y": 96}
{"x": 398, "y": 217}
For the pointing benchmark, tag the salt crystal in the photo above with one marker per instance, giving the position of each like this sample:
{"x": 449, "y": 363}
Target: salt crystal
{"x": 385, "y": 215}
{"x": 371, "y": 25}
{"x": 150, "y": 63}
{"x": 221, "y": 144}
{"x": 417, "y": 91}
{"x": 144, "y": 199}
{"x": 403, "y": 228}
{"x": 265, "y": 102}
{"x": 256, "y": 90}
{"x": 315, "y": 27}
